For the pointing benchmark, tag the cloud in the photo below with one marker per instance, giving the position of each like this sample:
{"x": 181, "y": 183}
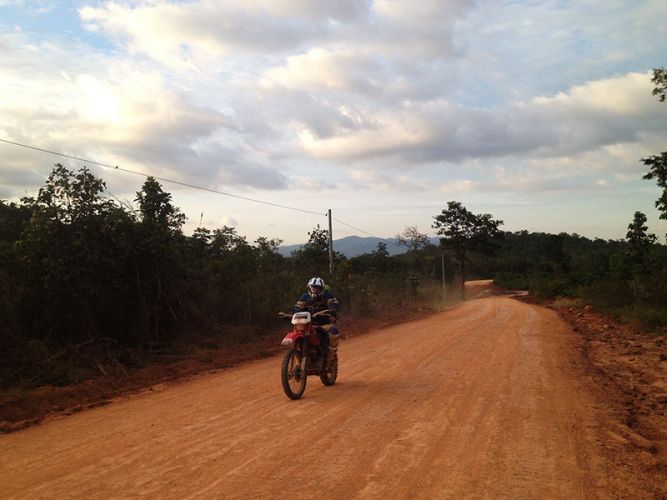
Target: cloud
{"x": 119, "y": 113}
{"x": 371, "y": 97}
{"x": 455, "y": 188}
{"x": 185, "y": 35}
{"x": 422, "y": 30}
{"x": 374, "y": 180}
{"x": 585, "y": 118}
{"x": 16, "y": 177}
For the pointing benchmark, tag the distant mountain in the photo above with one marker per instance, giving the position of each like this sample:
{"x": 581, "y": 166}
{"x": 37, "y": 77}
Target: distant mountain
{"x": 351, "y": 246}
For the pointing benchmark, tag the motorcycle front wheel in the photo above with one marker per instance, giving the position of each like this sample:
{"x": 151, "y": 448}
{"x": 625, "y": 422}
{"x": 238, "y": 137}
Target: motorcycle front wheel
{"x": 292, "y": 376}
{"x": 329, "y": 376}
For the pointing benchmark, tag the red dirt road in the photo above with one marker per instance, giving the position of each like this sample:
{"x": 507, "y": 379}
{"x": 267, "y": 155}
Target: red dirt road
{"x": 490, "y": 399}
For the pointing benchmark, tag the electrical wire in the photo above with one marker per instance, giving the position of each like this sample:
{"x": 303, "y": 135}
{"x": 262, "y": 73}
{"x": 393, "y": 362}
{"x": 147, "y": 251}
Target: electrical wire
{"x": 356, "y": 228}
{"x": 185, "y": 184}
{"x": 193, "y": 186}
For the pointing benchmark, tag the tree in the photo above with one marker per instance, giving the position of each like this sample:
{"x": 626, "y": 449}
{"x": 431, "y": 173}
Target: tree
{"x": 156, "y": 207}
{"x": 463, "y": 231}
{"x": 658, "y": 163}
{"x": 638, "y": 236}
{"x": 70, "y": 281}
{"x": 635, "y": 261}
{"x": 412, "y": 239}
{"x": 660, "y": 81}
{"x": 226, "y": 239}
{"x": 13, "y": 220}
{"x": 69, "y": 196}
{"x": 157, "y": 259}
{"x": 267, "y": 249}
{"x": 313, "y": 257}
{"x": 658, "y": 170}
{"x": 381, "y": 250}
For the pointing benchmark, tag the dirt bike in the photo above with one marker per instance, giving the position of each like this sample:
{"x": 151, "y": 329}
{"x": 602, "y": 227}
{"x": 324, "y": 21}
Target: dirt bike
{"x": 306, "y": 355}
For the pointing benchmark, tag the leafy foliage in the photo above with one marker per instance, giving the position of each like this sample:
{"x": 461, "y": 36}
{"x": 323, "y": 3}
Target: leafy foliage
{"x": 658, "y": 163}
{"x": 660, "y": 81}
{"x": 658, "y": 170}
{"x": 464, "y": 232}
{"x": 412, "y": 239}
{"x": 78, "y": 268}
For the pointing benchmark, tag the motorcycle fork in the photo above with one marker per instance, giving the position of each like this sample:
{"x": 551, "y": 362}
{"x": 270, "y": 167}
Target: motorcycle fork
{"x": 304, "y": 356}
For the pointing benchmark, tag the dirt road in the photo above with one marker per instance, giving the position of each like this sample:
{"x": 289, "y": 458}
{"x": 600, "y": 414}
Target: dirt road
{"x": 490, "y": 399}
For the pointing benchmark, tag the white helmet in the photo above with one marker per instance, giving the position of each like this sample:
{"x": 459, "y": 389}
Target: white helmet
{"x": 316, "y": 285}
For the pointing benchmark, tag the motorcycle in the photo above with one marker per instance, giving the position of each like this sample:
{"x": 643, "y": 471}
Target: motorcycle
{"x": 306, "y": 355}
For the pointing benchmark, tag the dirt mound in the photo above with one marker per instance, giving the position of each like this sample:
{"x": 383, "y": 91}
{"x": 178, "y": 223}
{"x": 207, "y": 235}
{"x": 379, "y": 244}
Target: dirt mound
{"x": 633, "y": 366}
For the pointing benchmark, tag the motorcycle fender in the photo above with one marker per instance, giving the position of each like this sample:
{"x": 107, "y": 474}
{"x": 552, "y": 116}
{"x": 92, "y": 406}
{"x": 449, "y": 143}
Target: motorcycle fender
{"x": 291, "y": 339}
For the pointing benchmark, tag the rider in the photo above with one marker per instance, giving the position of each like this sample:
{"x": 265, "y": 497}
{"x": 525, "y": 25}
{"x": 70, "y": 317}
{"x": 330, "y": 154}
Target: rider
{"x": 319, "y": 298}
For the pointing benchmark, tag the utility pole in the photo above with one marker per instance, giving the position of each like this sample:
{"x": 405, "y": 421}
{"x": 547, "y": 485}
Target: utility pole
{"x": 442, "y": 256}
{"x": 330, "y": 246}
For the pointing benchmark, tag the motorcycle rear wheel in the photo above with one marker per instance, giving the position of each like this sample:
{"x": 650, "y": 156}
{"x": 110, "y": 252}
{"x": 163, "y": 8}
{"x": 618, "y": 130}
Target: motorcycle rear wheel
{"x": 329, "y": 376}
{"x": 291, "y": 375}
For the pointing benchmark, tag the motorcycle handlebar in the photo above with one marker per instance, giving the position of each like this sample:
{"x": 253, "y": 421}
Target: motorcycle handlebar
{"x": 319, "y": 313}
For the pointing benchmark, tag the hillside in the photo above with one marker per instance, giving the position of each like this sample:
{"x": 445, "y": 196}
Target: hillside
{"x": 351, "y": 246}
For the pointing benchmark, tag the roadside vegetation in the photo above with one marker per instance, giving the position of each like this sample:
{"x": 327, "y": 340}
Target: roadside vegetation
{"x": 89, "y": 284}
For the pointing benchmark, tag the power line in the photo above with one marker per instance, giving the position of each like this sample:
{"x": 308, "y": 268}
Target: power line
{"x": 185, "y": 184}
{"x": 356, "y": 228}
{"x": 193, "y": 186}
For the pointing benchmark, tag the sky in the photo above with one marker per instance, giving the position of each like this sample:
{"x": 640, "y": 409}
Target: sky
{"x": 537, "y": 112}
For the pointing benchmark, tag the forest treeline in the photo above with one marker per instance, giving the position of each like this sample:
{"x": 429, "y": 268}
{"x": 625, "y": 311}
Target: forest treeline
{"x": 77, "y": 266}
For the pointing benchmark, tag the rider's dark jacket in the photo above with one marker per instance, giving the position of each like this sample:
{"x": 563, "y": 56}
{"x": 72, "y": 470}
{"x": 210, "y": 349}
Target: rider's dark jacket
{"x": 320, "y": 302}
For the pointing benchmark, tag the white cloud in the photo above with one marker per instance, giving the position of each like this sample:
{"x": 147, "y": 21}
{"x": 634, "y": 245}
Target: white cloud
{"x": 343, "y": 97}
{"x": 320, "y": 68}
{"x": 190, "y": 35}
{"x": 386, "y": 182}
{"x": 456, "y": 188}
{"x": 122, "y": 114}
{"x": 585, "y": 118}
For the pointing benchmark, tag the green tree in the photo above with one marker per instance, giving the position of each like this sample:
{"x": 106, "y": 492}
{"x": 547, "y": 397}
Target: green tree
{"x": 267, "y": 249}
{"x": 412, "y": 239}
{"x": 658, "y": 170}
{"x": 225, "y": 240}
{"x": 463, "y": 232}
{"x": 415, "y": 241}
{"x": 660, "y": 81}
{"x": 70, "y": 277}
{"x": 68, "y": 196}
{"x": 14, "y": 219}
{"x": 158, "y": 261}
{"x": 380, "y": 251}
{"x": 638, "y": 237}
{"x": 313, "y": 257}
{"x": 634, "y": 263}
{"x": 156, "y": 207}
{"x": 658, "y": 163}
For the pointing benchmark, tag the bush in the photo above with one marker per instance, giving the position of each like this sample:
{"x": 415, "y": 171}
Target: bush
{"x": 646, "y": 316}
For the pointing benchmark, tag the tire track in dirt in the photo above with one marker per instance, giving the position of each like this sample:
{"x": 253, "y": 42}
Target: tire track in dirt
{"x": 485, "y": 400}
